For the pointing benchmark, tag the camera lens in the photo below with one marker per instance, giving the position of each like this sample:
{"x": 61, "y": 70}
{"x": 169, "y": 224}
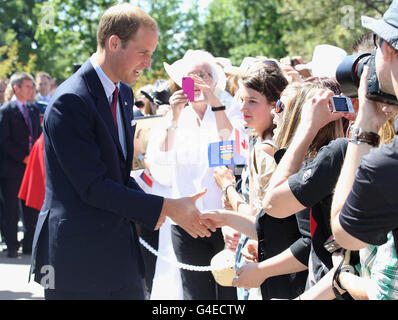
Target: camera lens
{"x": 349, "y": 72}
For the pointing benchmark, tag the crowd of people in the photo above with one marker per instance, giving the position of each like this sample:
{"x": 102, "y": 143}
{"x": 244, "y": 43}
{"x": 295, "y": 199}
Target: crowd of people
{"x": 311, "y": 214}
{"x": 23, "y": 101}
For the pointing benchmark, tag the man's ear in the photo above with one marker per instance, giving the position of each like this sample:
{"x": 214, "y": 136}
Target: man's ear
{"x": 15, "y": 89}
{"x": 113, "y": 43}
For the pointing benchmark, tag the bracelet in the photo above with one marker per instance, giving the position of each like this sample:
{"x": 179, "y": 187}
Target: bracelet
{"x": 224, "y": 191}
{"x": 172, "y": 127}
{"x": 220, "y": 108}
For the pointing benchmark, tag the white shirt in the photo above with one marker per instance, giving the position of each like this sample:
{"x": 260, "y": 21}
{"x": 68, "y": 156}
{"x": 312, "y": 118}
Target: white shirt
{"x": 19, "y": 104}
{"x": 188, "y": 160}
{"x": 109, "y": 88}
{"x": 45, "y": 99}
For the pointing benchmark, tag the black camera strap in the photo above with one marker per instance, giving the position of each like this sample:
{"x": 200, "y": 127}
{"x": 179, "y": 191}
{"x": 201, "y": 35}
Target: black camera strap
{"x": 338, "y": 295}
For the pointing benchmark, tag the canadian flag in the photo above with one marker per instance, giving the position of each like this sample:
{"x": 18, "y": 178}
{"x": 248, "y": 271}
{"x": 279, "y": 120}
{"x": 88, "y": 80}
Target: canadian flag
{"x": 241, "y": 143}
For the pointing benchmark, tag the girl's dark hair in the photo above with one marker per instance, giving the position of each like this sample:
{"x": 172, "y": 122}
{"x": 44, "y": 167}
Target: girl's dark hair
{"x": 267, "y": 79}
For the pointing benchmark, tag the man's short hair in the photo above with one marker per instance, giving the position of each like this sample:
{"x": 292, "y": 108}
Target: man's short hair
{"x": 18, "y": 77}
{"x": 123, "y": 20}
{"x": 43, "y": 74}
{"x": 364, "y": 44}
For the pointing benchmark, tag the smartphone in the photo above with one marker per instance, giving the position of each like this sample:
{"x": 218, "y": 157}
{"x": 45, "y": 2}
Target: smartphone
{"x": 188, "y": 87}
{"x": 342, "y": 104}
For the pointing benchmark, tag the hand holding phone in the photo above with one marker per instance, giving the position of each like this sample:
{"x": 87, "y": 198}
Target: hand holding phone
{"x": 188, "y": 87}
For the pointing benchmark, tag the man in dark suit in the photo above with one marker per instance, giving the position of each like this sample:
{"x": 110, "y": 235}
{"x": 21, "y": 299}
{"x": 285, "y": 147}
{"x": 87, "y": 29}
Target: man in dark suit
{"x": 19, "y": 129}
{"x": 85, "y": 244}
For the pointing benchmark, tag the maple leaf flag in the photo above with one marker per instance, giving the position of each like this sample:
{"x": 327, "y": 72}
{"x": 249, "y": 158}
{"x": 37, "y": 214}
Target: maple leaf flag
{"x": 241, "y": 143}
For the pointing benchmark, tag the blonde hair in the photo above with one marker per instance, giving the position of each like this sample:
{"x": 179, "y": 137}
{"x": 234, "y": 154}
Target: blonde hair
{"x": 300, "y": 93}
{"x": 123, "y": 20}
{"x": 387, "y": 131}
{"x": 8, "y": 93}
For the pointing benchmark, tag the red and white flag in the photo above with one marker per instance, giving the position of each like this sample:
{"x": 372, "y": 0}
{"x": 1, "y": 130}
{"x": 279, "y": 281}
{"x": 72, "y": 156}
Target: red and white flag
{"x": 147, "y": 177}
{"x": 241, "y": 143}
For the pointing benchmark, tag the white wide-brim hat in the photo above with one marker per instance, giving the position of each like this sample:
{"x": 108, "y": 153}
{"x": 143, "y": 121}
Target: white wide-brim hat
{"x": 179, "y": 68}
{"x": 325, "y": 60}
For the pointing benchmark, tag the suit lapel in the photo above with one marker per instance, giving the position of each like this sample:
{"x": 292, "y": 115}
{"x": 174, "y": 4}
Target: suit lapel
{"x": 19, "y": 115}
{"x": 126, "y": 116}
{"x": 97, "y": 91}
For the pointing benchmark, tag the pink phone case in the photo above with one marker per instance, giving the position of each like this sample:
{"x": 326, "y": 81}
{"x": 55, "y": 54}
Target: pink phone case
{"x": 188, "y": 87}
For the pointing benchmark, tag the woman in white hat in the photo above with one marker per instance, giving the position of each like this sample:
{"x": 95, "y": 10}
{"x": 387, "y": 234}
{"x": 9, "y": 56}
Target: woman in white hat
{"x": 190, "y": 127}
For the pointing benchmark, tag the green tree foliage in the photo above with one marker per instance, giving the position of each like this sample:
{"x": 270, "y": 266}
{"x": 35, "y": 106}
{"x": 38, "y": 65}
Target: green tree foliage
{"x": 53, "y": 35}
{"x": 235, "y": 29}
{"x": 335, "y": 22}
{"x": 66, "y": 33}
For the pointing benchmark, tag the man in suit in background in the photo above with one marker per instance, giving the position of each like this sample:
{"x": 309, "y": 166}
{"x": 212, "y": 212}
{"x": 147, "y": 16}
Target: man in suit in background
{"x": 43, "y": 87}
{"x": 19, "y": 129}
{"x": 86, "y": 245}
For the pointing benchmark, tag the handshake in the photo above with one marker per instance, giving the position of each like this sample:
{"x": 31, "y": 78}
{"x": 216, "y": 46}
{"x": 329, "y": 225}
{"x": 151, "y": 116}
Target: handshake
{"x": 183, "y": 211}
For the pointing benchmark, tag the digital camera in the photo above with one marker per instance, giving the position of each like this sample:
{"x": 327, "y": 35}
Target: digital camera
{"x": 349, "y": 72}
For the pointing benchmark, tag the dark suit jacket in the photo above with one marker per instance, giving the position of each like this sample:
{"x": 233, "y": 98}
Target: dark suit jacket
{"x": 14, "y": 138}
{"x": 86, "y": 228}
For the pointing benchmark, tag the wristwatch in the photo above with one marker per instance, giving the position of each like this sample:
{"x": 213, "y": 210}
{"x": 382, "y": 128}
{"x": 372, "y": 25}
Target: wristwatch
{"x": 224, "y": 191}
{"x": 141, "y": 156}
{"x": 361, "y": 136}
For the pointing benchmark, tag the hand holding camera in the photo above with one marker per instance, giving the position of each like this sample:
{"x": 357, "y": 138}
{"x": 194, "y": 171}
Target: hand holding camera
{"x": 177, "y": 102}
{"x": 371, "y": 114}
{"x": 207, "y": 91}
{"x": 349, "y": 74}
{"x": 317, "y": 113}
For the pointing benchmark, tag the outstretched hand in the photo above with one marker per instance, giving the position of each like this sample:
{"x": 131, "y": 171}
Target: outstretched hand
{"x": 217, "y": 218}
{"x": 183, "y": 211}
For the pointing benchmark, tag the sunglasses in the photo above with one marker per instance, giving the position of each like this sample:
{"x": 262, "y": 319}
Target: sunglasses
{"x": 271, "y": 63}
{"x": 139, "y": 104}
{"x": 377, "y": 41}
{"x": 203, "y": 75}
{"x": 279, "y": 106}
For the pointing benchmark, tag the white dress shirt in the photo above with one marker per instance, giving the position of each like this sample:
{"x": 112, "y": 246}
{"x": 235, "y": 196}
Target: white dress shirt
{"x": 109, "y": 88}
{"x": 188, "y": 163}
